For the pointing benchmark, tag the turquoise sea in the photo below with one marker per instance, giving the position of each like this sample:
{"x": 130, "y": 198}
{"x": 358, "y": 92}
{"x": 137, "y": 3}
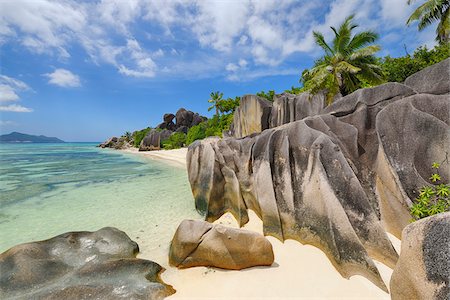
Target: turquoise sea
{"x": 49, "y": 189}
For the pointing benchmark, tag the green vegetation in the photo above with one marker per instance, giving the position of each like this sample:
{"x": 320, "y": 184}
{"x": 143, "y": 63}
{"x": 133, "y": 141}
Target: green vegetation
{"x": 348, "y": 62}
{"x": 428, "y": 13}
{"x": 175, "y": 141}
{"x": 229, "y": 105}
{"x": 432, "y": 199}
{"x": 269, "y": 95}
{"x": 398, "y": 69}
{"x": 213, "y": 127}
{"x": 139, "y": 135}
{"x": 215, "y": 99}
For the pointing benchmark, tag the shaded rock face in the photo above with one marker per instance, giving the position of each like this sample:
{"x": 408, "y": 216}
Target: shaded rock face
{"x": 434, "y": 79}
{"x": 153, "y": 140}
{"x": 252, "y": 116}
{"x": 423, "y": 270}
{"x": 334, "y": 180}
{"x": 199, "y": 243}
{"x": 289, "y": 108}
{"x": 117, "y": 143}
{"x": 80, "y": 265}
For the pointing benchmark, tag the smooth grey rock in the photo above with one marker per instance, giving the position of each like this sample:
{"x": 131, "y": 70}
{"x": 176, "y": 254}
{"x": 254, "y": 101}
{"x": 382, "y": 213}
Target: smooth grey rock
{"x": 434, "y": 79}
{"x": 153, "y": 140}
{"x": 80, "y": 265}
{"x": 413, "y": 133}
{"x": 252, "y": 116}
{"x": 423, "y": 269}
{"x": 184, "y": 117}
{"x": 289, "y": 108}
{"x": 199, "y": 243}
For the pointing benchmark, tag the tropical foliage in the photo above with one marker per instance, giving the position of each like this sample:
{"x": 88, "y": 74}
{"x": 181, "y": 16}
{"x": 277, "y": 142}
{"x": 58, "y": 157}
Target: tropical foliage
{"x": 213, "y": 127}
{"x": 268, "y": 96}
{"x": 431, "y": 11}
{"x": 139, "y": 135}
{"x": 175, "y": 141}
{"x": 348, "y": 62}
{"x": 216, "y": 98}
{"x": 398, "y": 69}
{"x": 432, "y": 199}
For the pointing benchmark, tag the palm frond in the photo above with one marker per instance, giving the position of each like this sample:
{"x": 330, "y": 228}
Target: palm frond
{"x": 320, "y": 40}
{"x": 345, "y": 67}
{"x": 362, "y": 39}
{"x": 366, "y": 51}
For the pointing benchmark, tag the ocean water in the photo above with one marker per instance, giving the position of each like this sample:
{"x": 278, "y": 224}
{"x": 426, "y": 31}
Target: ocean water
{"x": 49, "y": 189}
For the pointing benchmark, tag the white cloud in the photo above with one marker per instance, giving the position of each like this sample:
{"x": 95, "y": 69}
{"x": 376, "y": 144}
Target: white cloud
{"x": 63, "y": 78}
{"x": 15, "y": 108}
{"x": 10, "y": 87}
{"x": 262, "y": 33}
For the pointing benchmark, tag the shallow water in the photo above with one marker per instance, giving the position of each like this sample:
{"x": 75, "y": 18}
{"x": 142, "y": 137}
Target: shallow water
{"x": 49, "y": 189}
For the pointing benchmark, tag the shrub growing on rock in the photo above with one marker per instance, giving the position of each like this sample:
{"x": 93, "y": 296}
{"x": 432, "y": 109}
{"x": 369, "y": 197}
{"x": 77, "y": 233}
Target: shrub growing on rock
{"x": 175, "y": 141}
{"x": 138, "y": 135}
{"x": 432, "y": 199}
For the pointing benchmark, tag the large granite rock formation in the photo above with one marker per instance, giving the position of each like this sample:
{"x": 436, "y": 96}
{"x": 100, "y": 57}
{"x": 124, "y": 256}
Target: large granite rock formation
{"x": 423, "y": 270}
{"x": 252, "y": 116}
{"x": 80, "y": 265}
{"x": 153, "y": 139}
{"x": 431, "y": 80}
{"x": 199, "y": 243}
{"x": 289, "y": 108}
{"x": 333, "y": 179}
{"x": 117, "y": 143}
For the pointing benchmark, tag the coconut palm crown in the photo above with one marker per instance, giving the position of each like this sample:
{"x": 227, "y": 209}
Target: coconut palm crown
{"x": 430, "y": 12}
{"x": 349, "y": 62}
{"x": 216, "y": 98}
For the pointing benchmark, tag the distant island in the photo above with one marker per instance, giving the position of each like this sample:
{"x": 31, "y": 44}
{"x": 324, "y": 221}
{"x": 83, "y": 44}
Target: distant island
{"x": 17, "y": 137}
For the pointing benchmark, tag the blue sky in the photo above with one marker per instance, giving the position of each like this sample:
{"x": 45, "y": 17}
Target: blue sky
{"x": 84, "y": 71}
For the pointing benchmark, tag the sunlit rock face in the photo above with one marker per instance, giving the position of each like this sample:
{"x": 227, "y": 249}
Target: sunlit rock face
{"x": 199, "y": 243}
{"x": 80, "y": 265}
{"x": 252, "y": 116}
{"x": 423, "y": 270}
{"x": 337, "y": 180}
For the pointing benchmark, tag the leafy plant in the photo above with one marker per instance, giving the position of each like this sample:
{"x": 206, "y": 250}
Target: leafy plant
{"x": 139, "y": 135}
{"x": 213, "y": 127}
{"x": 175, "y": 141}
{"x": 428, "y": 13}
{"x": 347, "y": 62}
{"x": 269, "y": 95}
{"x": 399, "y": 68}
{"x": 215, "y": 99}
{"x": 432, "y": 199}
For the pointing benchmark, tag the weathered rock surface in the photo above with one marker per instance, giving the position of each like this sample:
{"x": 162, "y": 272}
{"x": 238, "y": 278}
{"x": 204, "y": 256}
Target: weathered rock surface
{"x": 199, "y": 243}
{"x": 80, "y": 265}
{"x": 423, "y": 269}
{"x": 331, "y": 180}
{"x": 252, "y": 116}
{"x": 117, "y": 143}
{"x": 432, "y": 80}
{"x": 153, "y": 140}
{"x": 289, "y": 108}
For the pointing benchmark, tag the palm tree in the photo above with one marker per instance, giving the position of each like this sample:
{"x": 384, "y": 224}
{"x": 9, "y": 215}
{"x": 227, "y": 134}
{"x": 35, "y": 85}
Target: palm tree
{"x": 348, "y": 64}
{"x": 215, "y": 99}
{"x": 431, "y": 11}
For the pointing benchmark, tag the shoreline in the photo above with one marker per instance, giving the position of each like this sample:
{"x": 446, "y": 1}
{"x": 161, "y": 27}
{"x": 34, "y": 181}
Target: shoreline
{"x": 175, "y": 157}
{"x": 299, "y": 271}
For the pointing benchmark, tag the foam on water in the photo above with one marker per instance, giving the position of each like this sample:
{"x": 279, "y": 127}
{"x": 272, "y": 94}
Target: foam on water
{"x": 48, "y": 189}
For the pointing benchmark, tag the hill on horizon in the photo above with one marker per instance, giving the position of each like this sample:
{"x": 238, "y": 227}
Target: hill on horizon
{"x": 17, "y": 137}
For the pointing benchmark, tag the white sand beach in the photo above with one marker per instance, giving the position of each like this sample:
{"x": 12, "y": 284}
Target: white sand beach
{"x": 299, "y": 271}
{"x": 176, "y": 157}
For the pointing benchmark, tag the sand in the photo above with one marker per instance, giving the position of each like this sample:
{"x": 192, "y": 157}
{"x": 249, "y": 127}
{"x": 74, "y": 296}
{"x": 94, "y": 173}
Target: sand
{"x": 176, "y": 157}
{"x": 299, "y": 271}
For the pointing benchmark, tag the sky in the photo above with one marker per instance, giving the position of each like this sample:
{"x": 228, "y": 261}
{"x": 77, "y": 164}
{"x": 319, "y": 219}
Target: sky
{"x": 88, "y": 70}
